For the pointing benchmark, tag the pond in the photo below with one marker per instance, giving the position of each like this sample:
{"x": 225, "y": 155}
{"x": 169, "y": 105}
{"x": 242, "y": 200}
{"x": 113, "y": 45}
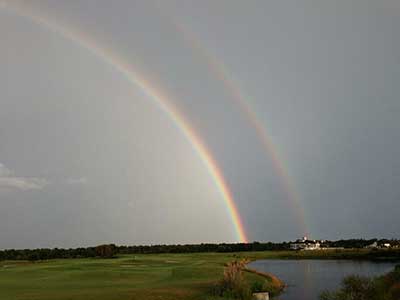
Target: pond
{"x": 306, "y": 279}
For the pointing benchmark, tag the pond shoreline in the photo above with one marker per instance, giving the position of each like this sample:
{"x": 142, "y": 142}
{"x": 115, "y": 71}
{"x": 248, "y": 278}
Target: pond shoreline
{"x": 306, "y": 279}
{"x": 392, "y": 255}
{"x": 276, "y": 282}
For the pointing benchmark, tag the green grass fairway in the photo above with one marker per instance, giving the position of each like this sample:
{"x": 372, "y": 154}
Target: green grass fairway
{"x": 163, "y": 276}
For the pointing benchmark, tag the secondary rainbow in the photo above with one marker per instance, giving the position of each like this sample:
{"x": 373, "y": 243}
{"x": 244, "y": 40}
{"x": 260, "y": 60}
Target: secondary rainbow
{"x": 162, "y": 101}
{"x": 220, "y": 72}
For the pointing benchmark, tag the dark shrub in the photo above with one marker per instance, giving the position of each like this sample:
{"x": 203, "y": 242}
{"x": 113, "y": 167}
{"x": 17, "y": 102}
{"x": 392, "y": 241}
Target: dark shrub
{"x": 106, "y": 251}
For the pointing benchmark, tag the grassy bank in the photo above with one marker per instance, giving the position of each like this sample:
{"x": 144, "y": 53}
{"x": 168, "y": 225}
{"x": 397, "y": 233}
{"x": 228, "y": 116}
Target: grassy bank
{"x": 355, "y": 254}
{"x": 272, "y": 284}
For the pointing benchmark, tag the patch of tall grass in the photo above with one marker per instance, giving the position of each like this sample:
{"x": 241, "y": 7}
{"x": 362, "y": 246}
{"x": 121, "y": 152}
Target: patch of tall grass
{"x": 236, "y": 284}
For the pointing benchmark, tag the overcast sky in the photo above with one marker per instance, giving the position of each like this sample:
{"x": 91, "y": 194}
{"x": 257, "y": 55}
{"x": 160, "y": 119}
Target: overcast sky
{"x": 86, "y": 157}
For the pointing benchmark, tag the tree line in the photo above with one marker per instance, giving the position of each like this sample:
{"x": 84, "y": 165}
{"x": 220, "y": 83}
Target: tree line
{"x": 111, "y": 250}
{"x": 360, "y": 243}
{"x": 104, "y": 251}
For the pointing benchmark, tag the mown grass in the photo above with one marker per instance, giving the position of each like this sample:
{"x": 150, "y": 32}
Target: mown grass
{"x": 144, "y": 277}
{"x": 163, "y": 276}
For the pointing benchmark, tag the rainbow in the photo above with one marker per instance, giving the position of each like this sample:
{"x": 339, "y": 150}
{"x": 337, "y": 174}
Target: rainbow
{"x": 237, "y": 96}
{"x": 158, "y": 97}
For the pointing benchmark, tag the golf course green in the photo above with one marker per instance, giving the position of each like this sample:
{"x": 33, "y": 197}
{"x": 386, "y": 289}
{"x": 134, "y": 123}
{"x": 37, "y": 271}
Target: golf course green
{"x": 161, "y": 276}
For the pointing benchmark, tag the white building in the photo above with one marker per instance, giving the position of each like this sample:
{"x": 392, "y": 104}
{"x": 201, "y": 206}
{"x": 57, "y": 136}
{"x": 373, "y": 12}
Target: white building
{"x": 373, "y": 245}
{"x": 305, "y": 244}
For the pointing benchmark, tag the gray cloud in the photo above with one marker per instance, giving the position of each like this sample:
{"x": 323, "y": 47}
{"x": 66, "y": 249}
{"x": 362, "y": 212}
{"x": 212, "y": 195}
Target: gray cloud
{"x": 77, "y": 181}
{"x": 321, "y": 77}
{"x": 9, "y": 181}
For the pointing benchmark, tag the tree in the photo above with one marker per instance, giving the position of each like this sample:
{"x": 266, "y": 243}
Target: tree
{"x": 106, "y": 251}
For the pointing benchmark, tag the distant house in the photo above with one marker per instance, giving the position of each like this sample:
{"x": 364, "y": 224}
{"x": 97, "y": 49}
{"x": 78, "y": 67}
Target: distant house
{"x": 305, "y": 244}
{"x": 373, "y": 245}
